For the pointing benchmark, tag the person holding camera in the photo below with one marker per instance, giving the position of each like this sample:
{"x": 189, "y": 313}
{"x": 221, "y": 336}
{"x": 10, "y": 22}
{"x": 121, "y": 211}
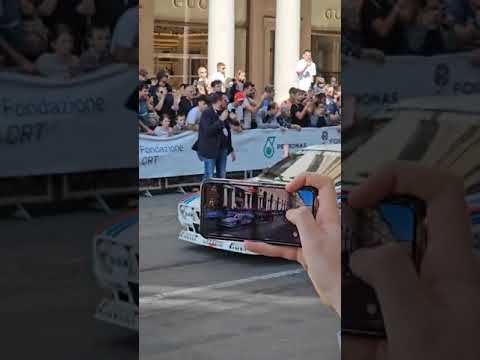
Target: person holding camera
{"x": 431, "y": 314}
{"x": 214, "y": 142}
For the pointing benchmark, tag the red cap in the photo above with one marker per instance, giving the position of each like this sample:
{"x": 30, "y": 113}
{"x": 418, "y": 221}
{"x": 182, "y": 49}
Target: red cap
{"x": 239, "y": 96}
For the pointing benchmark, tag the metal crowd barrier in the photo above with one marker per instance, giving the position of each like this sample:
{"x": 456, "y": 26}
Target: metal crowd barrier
{"x": 19, "y": 192}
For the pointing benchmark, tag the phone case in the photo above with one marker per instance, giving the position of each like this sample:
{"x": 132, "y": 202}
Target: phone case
{"x": 361, "y": 296}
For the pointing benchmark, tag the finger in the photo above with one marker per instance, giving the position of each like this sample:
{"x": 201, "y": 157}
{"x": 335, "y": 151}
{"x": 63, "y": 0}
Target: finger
{"x": 303, "y": 219}
{"x": 327, "y": 197}
{"x": 285, "y": 252}
{"x": 390, "y": 271}
{"x": 448, "y": 224}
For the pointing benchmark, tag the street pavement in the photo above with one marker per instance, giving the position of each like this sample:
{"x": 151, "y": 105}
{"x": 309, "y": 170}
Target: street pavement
{"x": 201, "y": 303}
{"x": 49, "y": 294}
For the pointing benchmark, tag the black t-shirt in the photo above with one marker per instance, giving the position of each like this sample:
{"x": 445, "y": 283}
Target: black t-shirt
{"x": 65, "y": 13}
{"x": 394, "y": 42}
{"x": 185, "y": 106}
{"x": 305, "y": 122}
{"x": 108, "y": 12}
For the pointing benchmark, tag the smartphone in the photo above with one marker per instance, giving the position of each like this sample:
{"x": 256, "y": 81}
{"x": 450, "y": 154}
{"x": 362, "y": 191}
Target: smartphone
{"x": 245, "y": 210}
{"x": 398, "y": 219}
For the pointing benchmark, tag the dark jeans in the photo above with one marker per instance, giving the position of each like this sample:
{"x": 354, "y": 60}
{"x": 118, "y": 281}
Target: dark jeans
{"x": 219, "y": 164}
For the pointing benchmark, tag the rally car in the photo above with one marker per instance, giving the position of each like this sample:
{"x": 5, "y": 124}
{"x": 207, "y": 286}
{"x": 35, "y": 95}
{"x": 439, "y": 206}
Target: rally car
{"x": 324, "y": 159}
{"x": 238, "y": 219}
{"x": 115, "y": 266}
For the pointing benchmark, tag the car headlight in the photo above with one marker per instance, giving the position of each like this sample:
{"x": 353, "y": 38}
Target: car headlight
{"x": 186, "y": 214}
{"x": 113, "y": 263}
{"x": 103, "y": 249}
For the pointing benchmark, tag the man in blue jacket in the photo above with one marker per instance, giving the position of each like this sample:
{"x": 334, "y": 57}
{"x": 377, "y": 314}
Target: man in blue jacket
{"x": 214, "y": 142}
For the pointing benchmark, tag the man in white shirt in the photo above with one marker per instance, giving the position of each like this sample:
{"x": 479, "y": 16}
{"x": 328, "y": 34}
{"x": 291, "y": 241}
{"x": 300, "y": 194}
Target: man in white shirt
{"x": 220, "y": 74}
{"x": 306, "y": 71}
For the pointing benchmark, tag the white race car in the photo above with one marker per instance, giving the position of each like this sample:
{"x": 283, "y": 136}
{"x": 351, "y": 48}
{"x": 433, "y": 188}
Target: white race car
{"x": 115, "y": 265}
{"x": 324, "y": 159}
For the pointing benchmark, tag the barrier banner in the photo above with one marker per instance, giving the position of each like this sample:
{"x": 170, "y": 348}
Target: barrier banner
{"x": 255, "y": 149}
{"x": 75, "y": 125}
{"x": 379, "y": 85}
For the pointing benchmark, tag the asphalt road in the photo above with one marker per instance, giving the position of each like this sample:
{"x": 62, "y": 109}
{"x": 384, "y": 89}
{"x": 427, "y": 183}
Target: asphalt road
{"x": 200, "y": 303}
{"x": 49, "y": 294}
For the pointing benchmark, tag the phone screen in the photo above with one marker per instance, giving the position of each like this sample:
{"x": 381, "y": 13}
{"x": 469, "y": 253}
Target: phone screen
{"x": 249, "y": 211}
{"x": 373, "y": 227}
{"x": 390, "y": 221}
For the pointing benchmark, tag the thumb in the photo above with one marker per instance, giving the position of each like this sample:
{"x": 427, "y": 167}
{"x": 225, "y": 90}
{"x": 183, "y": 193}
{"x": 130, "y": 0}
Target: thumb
{"x": 390, "y": 271}
{"x": 303, "y": 219}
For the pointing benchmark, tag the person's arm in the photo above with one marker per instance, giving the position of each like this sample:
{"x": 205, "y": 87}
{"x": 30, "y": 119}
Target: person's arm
{"x": 301, "y": 114}
{"x": 320, "y": 237}
{"x": 86, "y": 8}
{"x": 161, "y": 100}
{"x": 17, "y": 58}
{"x": 301, "y": 68}
{"x": 176, "y": 102}
{"x": 259, "y": 119}
{"x": 254, "y": 108}
{"x": 145, "y": 128}
{"x": 47, "y": 7}
{"x": 383, "y": 26}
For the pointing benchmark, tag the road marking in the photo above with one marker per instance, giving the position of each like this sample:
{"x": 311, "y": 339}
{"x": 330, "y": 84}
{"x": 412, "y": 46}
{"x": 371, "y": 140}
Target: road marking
{"x": 151, "y": 299}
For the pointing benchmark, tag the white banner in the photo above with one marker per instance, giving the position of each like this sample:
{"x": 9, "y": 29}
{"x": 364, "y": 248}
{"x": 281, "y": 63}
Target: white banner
{"x": 378, "y": 85}
{"x": 61, "y": 126}
{"x": 255, "y": 149}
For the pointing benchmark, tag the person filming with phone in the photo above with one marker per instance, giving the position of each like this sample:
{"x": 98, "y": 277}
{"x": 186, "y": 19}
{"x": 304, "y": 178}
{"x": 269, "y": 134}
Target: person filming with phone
{"x": 428, "y": 314}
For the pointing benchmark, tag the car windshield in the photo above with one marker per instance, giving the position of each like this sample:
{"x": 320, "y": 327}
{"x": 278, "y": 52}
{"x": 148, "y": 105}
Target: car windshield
{"x": 324, "y": 162}
{"x": 446, "y": 139}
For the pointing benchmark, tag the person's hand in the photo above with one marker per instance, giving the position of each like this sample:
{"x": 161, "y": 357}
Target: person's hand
{"x": 224, "y": 115}
{"x": 234, "y": 156}
{"x": 86, "y": 8}
{"x": 161, "y": 92}
{"x": 296, "y": 127}
{"x": 283, "y": 129}
{"x": 151, "y": 132}
{"x": 320, "y": 238}
{"x": 432, "y": 314}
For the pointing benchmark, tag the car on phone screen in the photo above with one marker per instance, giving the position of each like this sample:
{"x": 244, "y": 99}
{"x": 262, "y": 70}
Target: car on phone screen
{"x": 237, "y": 219}
{"x": 116, "y": 269}
{"x": 437, "y": 131}
{"x": 324, "y": 159}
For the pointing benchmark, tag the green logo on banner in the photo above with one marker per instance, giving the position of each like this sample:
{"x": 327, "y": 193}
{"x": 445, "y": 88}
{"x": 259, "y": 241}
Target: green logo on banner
{"x": 269, "y": 148}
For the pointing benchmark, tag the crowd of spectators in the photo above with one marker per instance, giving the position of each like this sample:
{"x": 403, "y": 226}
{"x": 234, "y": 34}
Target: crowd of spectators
{"x": 65, "y": 38}
{"x": 398, "y": 27}
{"x": 164, "y": 111}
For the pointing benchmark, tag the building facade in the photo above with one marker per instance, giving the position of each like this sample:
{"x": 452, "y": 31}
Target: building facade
{"x": 263, "y": 37}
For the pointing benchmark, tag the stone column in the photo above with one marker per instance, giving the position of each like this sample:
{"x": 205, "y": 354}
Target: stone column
{"x": 221, "y": 35}
{"x": 146, "y": 29}
{"x": 287, "y": 46}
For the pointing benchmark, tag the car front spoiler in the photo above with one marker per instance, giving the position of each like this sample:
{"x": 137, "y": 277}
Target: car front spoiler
{"x": 118, "y": 313}
{"x": 226, "y": 245}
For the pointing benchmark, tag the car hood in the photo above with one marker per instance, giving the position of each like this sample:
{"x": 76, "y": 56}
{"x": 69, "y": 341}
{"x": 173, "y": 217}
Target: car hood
{"x": 192, "y": 200}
